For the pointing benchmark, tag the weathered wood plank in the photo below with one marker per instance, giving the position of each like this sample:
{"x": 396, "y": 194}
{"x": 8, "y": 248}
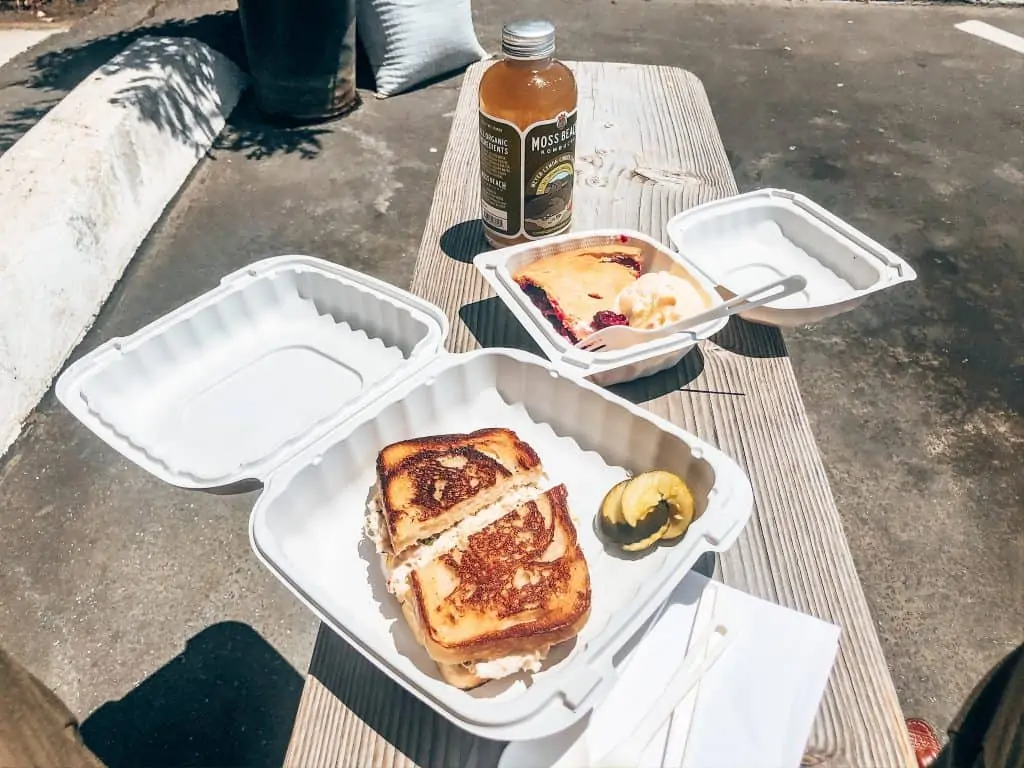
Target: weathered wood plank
{"x": 648, "y": 146}
{"x": 351, "y": 715}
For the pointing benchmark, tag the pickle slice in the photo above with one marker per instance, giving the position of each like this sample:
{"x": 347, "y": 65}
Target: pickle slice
{"x": 611, "y": 507}
{"x": 630, "y": 537}
{"x": 682, "y": 514}
{"x": 636, "y": 546}
{"x": 646, "y": 492}
{"x": 651, "y": 529}
{"x": 677, "y": 526}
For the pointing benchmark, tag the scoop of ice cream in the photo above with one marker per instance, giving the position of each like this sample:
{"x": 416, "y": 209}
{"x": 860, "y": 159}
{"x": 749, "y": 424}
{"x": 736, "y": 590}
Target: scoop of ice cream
{"x": 657, "y": 299}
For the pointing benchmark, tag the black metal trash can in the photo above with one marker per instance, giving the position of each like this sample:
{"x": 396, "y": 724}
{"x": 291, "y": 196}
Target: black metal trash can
{"x": 302, "y": 56}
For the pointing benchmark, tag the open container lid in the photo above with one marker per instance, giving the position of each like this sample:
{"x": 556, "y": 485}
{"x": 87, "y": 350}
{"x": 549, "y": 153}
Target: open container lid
{"x": 747, "y": 241}
{"x": 230, "y": 385}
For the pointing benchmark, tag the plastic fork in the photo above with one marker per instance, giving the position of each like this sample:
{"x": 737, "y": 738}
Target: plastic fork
{"x": 622, "y": 336}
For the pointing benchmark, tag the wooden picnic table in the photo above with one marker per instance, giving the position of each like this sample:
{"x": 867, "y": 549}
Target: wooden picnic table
{"x": 647, "y": 148}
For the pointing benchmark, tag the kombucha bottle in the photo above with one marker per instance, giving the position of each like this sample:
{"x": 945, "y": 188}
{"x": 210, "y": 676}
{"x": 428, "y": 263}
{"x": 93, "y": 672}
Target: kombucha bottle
{"x": 527, "y": 138}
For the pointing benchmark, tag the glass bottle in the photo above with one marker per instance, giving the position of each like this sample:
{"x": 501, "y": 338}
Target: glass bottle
{"x": 527, "y": 138}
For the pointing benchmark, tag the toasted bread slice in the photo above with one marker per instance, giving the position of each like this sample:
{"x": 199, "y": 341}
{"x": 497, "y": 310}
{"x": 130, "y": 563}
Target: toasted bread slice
{"x": 517, "y": 587}
{"x": 430, "y": 484}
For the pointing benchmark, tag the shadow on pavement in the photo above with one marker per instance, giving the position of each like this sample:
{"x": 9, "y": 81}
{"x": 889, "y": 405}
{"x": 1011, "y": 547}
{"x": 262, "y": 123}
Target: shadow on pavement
{"x": 247, "y": 132}
{"x": 57, "y": 72}
{"x": 228, "y": 699}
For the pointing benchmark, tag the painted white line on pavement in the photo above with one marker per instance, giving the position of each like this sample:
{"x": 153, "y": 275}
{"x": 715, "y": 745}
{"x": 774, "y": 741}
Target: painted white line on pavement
{"x": 993, "y": 35}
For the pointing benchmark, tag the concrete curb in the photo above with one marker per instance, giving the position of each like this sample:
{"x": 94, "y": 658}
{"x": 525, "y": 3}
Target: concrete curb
{"x": 80, "y": 191}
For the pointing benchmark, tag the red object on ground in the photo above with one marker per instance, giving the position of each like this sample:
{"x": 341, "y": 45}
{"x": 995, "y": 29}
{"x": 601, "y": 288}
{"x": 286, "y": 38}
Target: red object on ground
{"x": 924, "y": 740}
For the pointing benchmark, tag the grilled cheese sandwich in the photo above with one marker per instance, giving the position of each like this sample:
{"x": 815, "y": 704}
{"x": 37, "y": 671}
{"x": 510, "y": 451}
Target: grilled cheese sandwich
{"x": 488, "y": 596}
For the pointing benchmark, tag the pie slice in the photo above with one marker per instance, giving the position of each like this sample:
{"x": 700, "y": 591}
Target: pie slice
{"x": 575, "y": 290}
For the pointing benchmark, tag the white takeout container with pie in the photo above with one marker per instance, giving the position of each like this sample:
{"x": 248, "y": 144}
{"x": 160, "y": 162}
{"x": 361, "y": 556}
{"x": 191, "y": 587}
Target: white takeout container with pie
{"x": 294, "y": 373}
{"x": 724, "y": 249}
{"x": 606, "y": 367}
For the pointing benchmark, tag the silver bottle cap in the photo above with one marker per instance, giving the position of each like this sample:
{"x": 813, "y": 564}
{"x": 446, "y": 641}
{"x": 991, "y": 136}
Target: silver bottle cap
{"x": 534, "y": 39}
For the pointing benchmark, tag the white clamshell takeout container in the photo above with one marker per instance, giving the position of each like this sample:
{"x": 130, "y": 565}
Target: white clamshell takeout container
{"x": 610, "y": 366}
{"x": 295, "y": 372}
{"x": 749, "y": 240}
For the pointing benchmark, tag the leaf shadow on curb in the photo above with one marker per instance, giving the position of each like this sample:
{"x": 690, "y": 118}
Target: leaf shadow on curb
{"x": 53, "y": 74}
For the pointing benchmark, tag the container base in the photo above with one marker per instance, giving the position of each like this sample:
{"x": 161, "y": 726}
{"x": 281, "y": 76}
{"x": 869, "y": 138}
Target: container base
{"x": 288, "y": 106}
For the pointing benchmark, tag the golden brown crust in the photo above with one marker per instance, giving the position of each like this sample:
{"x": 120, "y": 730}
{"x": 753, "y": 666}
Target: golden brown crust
{"x": 582, "y": 282}
{"x": 429, "y": 484}
{"x": 454, "y": 674}
{"x": 519, "y": 584}
{"x": 490, "y": 440}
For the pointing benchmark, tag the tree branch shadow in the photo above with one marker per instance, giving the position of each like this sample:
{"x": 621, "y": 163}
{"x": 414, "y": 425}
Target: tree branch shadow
{"x": 158, "y": 100}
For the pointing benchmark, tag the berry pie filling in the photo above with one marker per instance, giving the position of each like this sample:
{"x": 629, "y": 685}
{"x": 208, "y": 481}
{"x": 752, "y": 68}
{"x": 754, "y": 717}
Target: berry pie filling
{"x": 605, "y": 318}
{"x": 584, "y": 290}
{"x": 576, "y": 290}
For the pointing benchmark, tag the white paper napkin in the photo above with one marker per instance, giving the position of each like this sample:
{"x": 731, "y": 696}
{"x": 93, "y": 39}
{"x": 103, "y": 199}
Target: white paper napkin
{"x": 754, "y": 707}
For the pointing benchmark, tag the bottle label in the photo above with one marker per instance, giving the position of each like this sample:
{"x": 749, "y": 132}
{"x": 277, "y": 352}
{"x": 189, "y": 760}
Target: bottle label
{"x": 526, "y": 177}
{"x": 549, "y": 158}
{"x": 500, "y": 176}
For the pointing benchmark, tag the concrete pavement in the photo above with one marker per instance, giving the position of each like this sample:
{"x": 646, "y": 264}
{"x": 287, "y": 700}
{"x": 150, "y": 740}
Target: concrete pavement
{"x": 885, "y": 114}
{"x": 15, "y": 40}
